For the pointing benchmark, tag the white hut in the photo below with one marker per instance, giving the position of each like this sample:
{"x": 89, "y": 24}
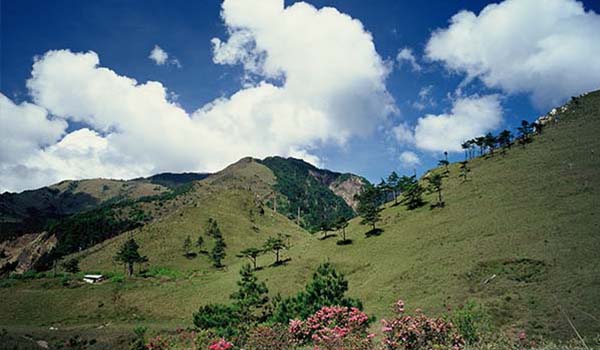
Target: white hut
{"x": 93, "y": 278}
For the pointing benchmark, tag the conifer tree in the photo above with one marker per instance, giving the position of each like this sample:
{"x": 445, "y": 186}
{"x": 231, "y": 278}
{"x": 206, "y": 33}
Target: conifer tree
{"x": 413, "y": 194}
{"x": 435, "y": 185}
{"x": 368, "y": 207}
{"x": 128, "y": 255}
{"x": 275, "y": 245}
{"x": 252, "y": 254}
{"x": 393, "y": 182}
{"x": 187, "y": 246}
{"x": 251, "y": 296}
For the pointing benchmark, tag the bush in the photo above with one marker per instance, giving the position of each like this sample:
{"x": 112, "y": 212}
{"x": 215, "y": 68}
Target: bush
{"x": 117, "y": 278}
{"x": 276, "y": 337}
{"x": 419, "y": 332}
{"x": 471, "y": 321}
{"x": 334, "y": 327}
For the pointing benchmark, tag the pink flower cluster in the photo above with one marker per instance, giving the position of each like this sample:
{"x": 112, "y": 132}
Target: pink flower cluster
{"x": 419, "y": 332}
{"x": 220, "y": 344}
{"x": 331, "y": 327}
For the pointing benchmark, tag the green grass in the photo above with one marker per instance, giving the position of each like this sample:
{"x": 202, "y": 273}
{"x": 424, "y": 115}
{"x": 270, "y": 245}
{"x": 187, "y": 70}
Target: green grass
{"x": 530, "y": 218}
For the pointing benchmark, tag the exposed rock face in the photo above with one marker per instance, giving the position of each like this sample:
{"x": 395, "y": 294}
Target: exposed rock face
{"x": 348, "y": 187}
{"x": 21, "y": 253}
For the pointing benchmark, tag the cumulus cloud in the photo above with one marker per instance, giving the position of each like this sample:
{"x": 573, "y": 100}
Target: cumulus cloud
{"x": 406, "y": 55}
{"x": 25, "y": 128}
{"x": 409, "y": 159}
{"x": 546, "y": 48}
{"x": 470, "y": 117}
{"x": 161, "y": 57}
{"x": 311, "y": 90}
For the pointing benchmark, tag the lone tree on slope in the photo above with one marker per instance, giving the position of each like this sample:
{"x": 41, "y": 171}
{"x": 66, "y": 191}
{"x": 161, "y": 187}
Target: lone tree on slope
{"x": 252, "y": 254}
{"x": 128, "y": 255}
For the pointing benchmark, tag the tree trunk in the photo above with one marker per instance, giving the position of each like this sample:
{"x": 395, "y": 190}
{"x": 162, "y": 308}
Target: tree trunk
{"x": 440, "y": 197}
{"x": 130, "y": 269}
{"x": 277, "y": 256}
{"x": 254, "y": 263}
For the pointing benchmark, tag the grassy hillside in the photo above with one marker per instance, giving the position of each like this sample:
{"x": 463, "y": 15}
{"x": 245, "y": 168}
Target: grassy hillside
{"x": 530, "y": 218}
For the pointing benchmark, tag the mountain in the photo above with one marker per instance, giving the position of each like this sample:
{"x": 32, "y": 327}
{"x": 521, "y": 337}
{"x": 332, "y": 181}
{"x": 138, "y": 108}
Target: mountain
{"x": 42, "y": 225}
{"x": 29, "y": 211}
{"x": 520, "y": 238}
{"x": 314, "y": 197}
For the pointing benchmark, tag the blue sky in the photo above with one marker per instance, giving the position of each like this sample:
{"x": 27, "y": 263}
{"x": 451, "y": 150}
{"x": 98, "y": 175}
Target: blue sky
{"x": 123, "y": 33}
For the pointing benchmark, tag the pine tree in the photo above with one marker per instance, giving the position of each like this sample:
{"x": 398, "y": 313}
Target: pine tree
{"x": 218, "y": 253}
{"x": 252, "y": 254}
{"x": 251, "y": 297}
{"x": 504, "y": 140}
{"x": 435, "y": 185}
{"x": 490, "y": 142}
{"x": 413, "y": 194}
{"x": 368, "y": 207}
{"x": 275, "y": 245}
{"x": 341, "y": 224}
{"x": 128, "y": 255}
{"x": 187, "y": 246}
{"x": 393, "y": 182}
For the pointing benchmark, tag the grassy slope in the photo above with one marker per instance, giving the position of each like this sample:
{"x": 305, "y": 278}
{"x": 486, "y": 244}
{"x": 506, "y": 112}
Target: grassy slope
{"x": 538, "y": 203}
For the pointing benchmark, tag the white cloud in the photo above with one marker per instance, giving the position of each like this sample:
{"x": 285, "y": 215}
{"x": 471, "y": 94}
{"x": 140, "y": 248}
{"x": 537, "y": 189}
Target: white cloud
{"x": 470, "y": 117}
{"x": 331, "y": 88}
{"x": 25, "y": 128}
{"x": 403, "y": 134}
{"x": 546, "y": 48}
{"x": 406, "y": 55}
{"x": 161, "y": 57}
{"x": 409, "y": 159}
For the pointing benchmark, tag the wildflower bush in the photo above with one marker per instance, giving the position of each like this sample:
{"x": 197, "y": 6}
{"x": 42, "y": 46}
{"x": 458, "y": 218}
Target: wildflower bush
{"x": 334, "y": 327}
{"x": 418, "y": 332}
{"x": 220, "y": 344}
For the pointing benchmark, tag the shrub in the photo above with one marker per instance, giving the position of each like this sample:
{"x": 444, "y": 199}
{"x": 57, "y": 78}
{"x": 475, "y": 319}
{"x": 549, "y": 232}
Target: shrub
{"x": 117, "y": 278}
{"x": 220, "y": 344}
{"x": 419, "y": 332}
{"x": 276, "y": 337}
{"x": 334, "y": 327}
{"x": 471, "y": 321}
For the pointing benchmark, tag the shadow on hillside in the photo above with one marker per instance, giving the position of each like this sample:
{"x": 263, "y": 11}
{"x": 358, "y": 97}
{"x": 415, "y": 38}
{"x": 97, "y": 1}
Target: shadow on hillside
{"x": 374, "y": 232}
{"x": 437, "y": 205}
{"x": 322, "y": 238}
{"x": 191, "y": 255}
{"x": 281, "y": 262}
{"x": 344, "y": 242}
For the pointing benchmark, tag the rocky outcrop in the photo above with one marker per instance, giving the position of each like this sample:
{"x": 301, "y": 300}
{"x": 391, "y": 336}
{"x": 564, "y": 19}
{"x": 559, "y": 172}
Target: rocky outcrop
{"x": 348, "y": 186}
{"x": 19, "y": 255}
